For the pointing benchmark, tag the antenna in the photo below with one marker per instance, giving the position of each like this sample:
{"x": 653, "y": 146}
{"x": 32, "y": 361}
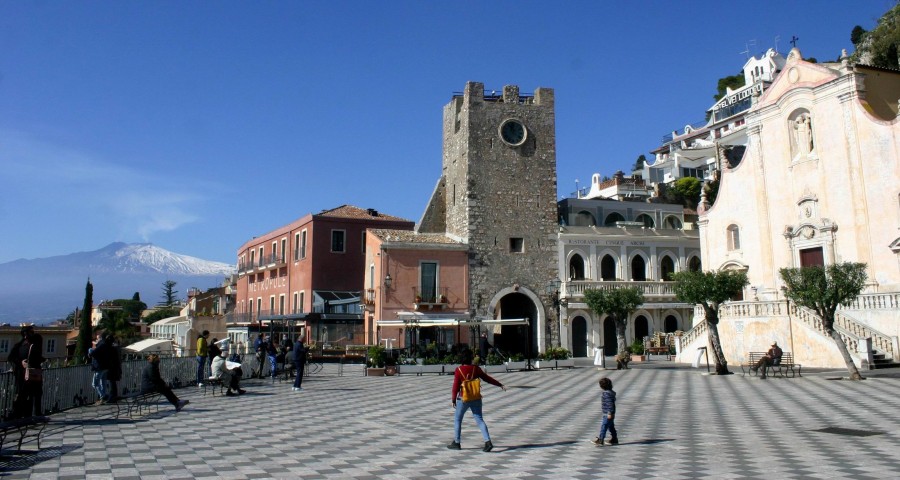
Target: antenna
{"x": 747, "y": 45}
{"x": 777, "y": 38}
{"x": 577, "y": 192}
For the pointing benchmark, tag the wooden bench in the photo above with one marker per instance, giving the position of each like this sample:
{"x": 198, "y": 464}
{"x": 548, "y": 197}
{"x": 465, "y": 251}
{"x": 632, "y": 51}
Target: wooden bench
{"x": 24, "y": 428}
{"x": 783, "y": 367}
{"x": 141, "y": 403}
{"x": 659, "y": 351}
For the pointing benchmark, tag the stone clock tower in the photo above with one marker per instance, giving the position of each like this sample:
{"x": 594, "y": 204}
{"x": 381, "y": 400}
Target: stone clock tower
{"x": 497, "y": 193}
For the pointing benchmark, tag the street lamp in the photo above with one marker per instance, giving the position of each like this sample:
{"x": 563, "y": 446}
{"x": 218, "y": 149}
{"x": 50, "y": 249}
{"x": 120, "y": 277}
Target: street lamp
{"x": 388, "y": 281}
{"x": 553, "y": 293}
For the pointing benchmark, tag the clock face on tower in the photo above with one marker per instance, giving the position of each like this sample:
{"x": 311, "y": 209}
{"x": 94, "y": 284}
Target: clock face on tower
{"x": 513, "y": 132}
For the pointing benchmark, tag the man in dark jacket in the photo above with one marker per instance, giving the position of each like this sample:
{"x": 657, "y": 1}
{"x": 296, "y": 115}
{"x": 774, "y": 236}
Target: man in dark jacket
{"x": 151, "y": 381}
{"x": 114, "y": 363}
{"x": 300, "y": 352}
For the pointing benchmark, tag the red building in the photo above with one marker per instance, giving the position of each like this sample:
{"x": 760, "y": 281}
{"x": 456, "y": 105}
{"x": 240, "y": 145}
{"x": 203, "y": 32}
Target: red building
{"x": 313, "y": 265}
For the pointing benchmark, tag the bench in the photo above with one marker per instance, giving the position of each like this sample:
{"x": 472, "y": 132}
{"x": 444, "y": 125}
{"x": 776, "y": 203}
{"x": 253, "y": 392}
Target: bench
{"x": 141, "y": 403}
{"x": 25, "y": 428}
{"x": 214, "y": 384}
{"x": 785, "y": 365}
{"x": 664, "y": 350}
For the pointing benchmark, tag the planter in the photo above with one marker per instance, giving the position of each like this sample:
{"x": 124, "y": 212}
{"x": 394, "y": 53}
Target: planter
{"x": 494, "y": 368}
{"x": 567, "y": 363}
{"x": 409, "y": 369}
{"x": 544, "y": 364}
{"x": 516, "y": 365}
{"x": 639, "y": 358}
{"x": 450, "y": 369}
{"x": 375, "y": 372}
{"x": 431, "y": 369}
{"x": 390, "y": 370}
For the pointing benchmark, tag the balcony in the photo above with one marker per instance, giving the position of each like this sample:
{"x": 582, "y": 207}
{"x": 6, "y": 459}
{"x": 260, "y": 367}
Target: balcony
{"x": 654, "y": 292}
{"x": 436, "y": 301}
{"x": 274, "y": 260}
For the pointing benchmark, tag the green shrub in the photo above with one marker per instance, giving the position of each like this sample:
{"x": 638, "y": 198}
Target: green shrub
{"x": 377, "y": 357}
{"x": 636, "y": 347}
{"x": 516, "y": 357}
{"x": 555, "y": 353}
{"x": 494, "y": 359}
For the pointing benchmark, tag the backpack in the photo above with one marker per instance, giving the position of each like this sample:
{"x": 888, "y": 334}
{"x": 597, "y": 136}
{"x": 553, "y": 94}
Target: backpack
{"x": 471, "y": 387}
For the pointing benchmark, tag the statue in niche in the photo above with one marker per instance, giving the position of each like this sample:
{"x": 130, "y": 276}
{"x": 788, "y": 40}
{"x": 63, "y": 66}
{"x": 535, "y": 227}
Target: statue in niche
{"x": 803, "y": 134}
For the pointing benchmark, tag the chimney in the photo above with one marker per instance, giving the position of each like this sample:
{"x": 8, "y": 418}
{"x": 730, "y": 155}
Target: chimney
{"x": 372, "y": 212}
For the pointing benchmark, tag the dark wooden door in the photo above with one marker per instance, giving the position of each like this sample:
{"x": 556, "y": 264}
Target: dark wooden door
{"x": 812, "y": 257}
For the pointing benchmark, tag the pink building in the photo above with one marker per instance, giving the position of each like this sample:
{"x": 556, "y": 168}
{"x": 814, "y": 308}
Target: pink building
{"x": 314, "y": 264}
{"x": 416, "y": 289}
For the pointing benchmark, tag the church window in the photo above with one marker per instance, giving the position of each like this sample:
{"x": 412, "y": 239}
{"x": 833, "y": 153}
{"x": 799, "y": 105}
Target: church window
{"x": 734, "y": 237}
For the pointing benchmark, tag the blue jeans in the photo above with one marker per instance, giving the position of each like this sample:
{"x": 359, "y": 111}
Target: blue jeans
{"x": 201, "y": 372}
{"x": 610, "y": 424}
{"x": 272, "y": 362}
{"x": 99, "y": 383}
{"x": 461, "y": 408}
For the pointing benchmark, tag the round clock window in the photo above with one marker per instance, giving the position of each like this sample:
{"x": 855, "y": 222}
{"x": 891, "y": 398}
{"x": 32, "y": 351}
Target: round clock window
{"x": 513, "y": 132}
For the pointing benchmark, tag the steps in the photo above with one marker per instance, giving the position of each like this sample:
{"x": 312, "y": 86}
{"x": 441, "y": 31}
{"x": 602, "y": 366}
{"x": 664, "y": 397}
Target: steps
{"x": 880, "y": 361}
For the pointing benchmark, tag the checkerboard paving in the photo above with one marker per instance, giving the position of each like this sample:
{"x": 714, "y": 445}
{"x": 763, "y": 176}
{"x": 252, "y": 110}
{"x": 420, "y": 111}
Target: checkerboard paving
{"x": 673, "y": 422}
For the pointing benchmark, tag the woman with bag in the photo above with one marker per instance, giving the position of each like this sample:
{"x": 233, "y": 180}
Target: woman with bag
{"x": 31, "y": 353}
{"x": 467, "y": 389}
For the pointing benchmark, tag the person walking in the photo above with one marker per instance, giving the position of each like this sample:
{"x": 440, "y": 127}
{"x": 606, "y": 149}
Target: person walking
{"x": 469, "y": 373}
{"x": 608, "y": 416}
{"x": 202, "y": 352}
{"x": 299, "y": 354}
{"x": 152, "y": 381}
{"x": 114, "y": 365}
{"x": 484, "y": 348}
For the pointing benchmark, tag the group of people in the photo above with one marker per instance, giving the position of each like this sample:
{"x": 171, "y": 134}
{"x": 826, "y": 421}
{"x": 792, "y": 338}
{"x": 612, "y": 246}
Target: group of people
{"x": 292, "y": 358}
{"x": 106, "y": 363}
{"x": 26, "y": 357}
{"x": 467, "y": 372}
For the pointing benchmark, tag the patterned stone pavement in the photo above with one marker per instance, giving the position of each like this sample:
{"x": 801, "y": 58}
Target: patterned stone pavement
{"x": 674, "y": 423}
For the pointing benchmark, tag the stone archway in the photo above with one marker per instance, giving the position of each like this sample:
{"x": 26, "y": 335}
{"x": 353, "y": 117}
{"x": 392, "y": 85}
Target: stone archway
{"x": 519, "y": 302}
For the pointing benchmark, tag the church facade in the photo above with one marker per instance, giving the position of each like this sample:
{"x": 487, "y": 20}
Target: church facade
{"x": 819, "y": 184}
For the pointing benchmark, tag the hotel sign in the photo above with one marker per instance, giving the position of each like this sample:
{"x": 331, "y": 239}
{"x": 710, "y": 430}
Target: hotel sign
{"x": 273, "y": 283}
{"x": 739, "y": 96}
{"x": 615, "y": 243}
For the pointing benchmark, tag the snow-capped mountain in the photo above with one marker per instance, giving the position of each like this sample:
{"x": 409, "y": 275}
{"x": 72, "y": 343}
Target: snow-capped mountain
{"x": 43, "y": 289}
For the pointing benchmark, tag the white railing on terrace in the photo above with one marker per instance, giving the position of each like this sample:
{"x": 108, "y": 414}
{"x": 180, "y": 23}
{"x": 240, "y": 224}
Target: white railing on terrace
{"x": 694, "y": 333}
{"x": 654, "y": 289}
{"x": 848, "y": 327}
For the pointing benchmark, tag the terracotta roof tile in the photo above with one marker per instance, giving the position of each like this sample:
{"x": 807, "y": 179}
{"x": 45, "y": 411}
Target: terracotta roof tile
{"x": 350, "y": 211}
{"x": 409, "y": 236}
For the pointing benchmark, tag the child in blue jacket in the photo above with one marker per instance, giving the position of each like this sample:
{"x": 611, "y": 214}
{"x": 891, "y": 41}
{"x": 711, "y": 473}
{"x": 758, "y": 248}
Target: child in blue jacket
{"x": 608, "y": 406}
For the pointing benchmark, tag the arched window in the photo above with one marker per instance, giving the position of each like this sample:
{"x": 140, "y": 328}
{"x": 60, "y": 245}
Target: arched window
{"x": 734, "y": 237}
{"x": 694, "y": 264}
{"x": 612, "y": 218}
{"x": 673, "y": 223}
{"x": 670, "y": 325}
{"x": 576, "y": 267}
{"x": 585, "y": 219}
{"x": 646, "y": 220}
{"x": 666, "y": 268}
{"x": 608, "y": 268}
{"x": 641, "y": 327}
{"x": 638, "y": 269}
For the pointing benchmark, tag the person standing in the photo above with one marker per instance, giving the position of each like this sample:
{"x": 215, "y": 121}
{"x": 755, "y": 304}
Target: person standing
{"x": 17, "y": 358}
{"x": 151, "y": 381}
{"x": 202, "y": 352}
{"x": 259, "y": 348}
{"x": 608, "y": 409}
{"x": 115, "y": 369}
{"x": 98, "y": 366}
{"x": 300, "y": 352}
{"x": 484, "y": 348}
{"x": 272, "y": 353}
{"x": 31, "y": 355}
{"x": 468, "y": 372}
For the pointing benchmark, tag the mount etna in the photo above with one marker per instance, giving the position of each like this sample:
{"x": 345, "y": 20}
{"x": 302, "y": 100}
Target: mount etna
{"x": 45, "y": 289}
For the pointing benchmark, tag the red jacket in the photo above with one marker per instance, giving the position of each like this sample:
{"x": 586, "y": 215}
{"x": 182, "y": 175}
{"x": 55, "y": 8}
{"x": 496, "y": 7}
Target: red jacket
{"x": 470, "y": 371}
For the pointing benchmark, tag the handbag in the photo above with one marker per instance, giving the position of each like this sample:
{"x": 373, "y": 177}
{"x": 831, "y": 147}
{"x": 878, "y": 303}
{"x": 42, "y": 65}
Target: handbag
{"x": 33, "y": 375}
{"x": 471, "y": 388}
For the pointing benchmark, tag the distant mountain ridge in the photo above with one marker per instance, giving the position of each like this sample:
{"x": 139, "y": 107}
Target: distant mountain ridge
{"x": 44, "y": 289}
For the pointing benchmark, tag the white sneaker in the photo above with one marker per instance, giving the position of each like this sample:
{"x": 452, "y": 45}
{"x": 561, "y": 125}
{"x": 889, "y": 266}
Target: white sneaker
{"x": 199, "y": 385}
{"x": 296, "y": 389}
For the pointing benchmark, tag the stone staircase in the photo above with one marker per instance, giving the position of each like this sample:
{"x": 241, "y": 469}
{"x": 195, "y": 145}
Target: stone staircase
{"x": 885, "y": 349}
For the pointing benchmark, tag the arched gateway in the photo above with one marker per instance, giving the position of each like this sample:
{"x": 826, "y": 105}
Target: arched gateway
{"x": 518, "y": 302}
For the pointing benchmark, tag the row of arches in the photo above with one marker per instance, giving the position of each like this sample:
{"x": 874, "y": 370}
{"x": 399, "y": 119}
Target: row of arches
{"x": 581, "y": 333}
{"x": 637, "y": 270}
{"x": 587, "y": 219}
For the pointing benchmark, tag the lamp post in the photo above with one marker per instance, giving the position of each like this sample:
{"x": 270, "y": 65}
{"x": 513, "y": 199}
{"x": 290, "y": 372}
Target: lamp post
{"x": 553, "y": 293}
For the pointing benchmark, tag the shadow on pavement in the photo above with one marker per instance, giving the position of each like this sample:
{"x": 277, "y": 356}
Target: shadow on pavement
{"x": 27, "y": 459}
{"x": 534, "y": 445}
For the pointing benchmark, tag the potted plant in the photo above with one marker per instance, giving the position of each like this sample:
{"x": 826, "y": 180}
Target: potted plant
{"x": 555, "y": 357}
{"x": 376, "y": 358}
{"x": 493, "y": 364}
{"x": 516, "y": 362}
{"x": 637, "y": 351}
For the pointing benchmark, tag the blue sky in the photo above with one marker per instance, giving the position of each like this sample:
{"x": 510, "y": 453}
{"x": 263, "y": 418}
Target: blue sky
{"x": 198, "y": 125}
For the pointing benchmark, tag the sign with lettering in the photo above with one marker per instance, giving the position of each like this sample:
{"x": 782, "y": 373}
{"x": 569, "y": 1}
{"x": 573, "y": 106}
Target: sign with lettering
{"x": 268, "y": 283}
{"x": 738, "y": 96}
{"x": 614, "y": 243}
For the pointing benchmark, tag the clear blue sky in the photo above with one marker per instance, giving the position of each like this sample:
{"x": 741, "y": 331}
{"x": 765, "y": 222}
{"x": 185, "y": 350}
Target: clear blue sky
{"x": 198, "y": 125}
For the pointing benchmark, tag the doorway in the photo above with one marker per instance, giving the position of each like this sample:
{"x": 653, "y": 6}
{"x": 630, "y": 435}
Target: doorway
{"x": 517, "y": 339}
{"x": 579, "y": 337}
{"x": 641, "y": 328}
{"x": 812, "y": 257}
